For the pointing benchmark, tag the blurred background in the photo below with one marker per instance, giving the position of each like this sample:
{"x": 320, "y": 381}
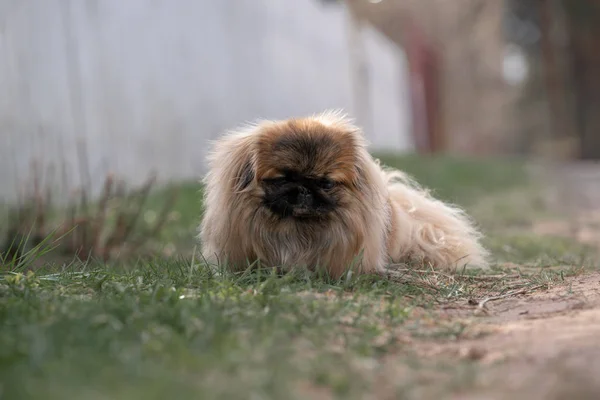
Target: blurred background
{"x": 93, "y": 90}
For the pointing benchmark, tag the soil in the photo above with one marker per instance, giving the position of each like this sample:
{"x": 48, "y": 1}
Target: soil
{"x": 540, "y": 345}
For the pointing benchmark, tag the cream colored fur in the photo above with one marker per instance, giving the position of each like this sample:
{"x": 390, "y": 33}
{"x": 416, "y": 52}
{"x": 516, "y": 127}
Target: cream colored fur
{"x": 429, "y": 230}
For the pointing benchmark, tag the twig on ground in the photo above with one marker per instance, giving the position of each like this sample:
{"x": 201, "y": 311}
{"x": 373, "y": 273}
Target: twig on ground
{"x": 482, "y": 303}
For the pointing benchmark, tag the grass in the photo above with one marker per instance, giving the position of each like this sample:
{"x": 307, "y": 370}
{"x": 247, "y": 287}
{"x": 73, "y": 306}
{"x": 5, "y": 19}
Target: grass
{"x": 180, "y": 331}
{"x": 461, "y": 180}
{"x": 173, "y": 328}
{"x": 170, "y": 327}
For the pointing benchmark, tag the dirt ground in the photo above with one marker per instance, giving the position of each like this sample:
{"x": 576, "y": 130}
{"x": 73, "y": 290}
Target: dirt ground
{"x": 543, "y": 344}
{"x": 539, "y": 345}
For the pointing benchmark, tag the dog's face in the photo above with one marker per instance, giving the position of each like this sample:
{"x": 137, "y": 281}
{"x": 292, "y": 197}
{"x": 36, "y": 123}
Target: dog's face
{"x": 305, "y": 170}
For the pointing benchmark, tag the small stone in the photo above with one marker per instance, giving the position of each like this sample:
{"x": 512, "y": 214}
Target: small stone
{"x": 472, "y": 353}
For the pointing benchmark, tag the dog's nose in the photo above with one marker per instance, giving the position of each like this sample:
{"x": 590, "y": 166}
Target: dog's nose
{"x": 304, "y": 196}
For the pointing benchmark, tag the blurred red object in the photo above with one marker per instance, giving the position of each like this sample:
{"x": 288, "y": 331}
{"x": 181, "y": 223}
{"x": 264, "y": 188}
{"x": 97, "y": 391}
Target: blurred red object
{"x": 424, "y": 90}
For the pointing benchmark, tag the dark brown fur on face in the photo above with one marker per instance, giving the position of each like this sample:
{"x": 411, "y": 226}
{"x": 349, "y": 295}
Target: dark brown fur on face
{"x": 304, "y": 170}
{"x": 306, "y": 192}
{"x": 309, "y": 149}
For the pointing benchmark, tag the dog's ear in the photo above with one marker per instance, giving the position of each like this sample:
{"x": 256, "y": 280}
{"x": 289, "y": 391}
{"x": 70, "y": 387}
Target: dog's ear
{"x": 232, "y": 161}
{"x": 245, "y": 175}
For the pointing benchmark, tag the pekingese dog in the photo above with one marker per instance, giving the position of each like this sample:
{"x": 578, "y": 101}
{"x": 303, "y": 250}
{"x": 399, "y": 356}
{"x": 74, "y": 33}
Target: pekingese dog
{"x": 306, "y": 192}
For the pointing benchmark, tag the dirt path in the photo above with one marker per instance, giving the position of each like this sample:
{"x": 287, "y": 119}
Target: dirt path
{"x": 543, "y": 345}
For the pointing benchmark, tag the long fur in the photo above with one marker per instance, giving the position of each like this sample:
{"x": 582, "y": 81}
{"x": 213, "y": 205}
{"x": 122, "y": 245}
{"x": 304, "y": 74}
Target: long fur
{"x": 385, "y": 218}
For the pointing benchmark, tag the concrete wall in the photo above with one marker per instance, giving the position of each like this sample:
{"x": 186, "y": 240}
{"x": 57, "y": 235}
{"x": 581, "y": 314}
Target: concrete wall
{"x": 144, "y": 84}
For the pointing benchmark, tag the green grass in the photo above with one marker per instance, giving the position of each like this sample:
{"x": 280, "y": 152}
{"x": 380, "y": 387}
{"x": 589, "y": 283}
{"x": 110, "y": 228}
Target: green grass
{"x": 538, "y": 250}
{"x": 173, "y": 328}
{"x": 460, "y": 180}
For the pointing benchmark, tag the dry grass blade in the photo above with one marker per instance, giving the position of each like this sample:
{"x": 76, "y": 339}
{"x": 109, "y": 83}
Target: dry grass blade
{"x": 490, "y": 277}
{"x": 143, "y": 196}
{"x": 72, "y": 222}
{"x": 100, "y": 219}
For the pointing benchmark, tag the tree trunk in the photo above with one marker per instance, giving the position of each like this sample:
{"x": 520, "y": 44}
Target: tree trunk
{"x": 585, "y": 42}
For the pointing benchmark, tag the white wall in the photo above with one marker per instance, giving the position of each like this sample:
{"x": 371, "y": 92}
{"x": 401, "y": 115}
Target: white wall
{"x": 145, "y": 83}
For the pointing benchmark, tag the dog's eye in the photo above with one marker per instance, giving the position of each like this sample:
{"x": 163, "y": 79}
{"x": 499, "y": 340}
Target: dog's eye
{"x": 326, "y": 184}
{"x": 276, "y": 181}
